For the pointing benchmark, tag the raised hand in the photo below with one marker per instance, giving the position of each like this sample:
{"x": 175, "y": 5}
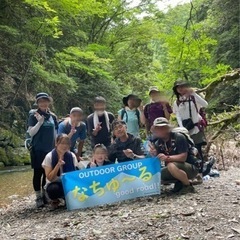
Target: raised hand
{"x": 153, "y": 150}
{"x": 39, "y": 117}
{"x": 129, "y": 153}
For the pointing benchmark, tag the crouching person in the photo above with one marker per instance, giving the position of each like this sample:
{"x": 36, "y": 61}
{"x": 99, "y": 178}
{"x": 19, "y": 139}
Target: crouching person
{"x": 60, "y": 160}
{"x": 173, "y": 149}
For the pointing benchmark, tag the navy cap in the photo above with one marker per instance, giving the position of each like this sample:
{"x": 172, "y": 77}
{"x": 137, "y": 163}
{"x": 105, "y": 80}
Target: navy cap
{"x": 42, "y": 95}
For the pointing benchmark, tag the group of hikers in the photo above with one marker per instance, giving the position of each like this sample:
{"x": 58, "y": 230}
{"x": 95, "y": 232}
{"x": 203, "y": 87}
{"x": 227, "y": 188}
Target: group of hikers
{"x": 56, "y": 147}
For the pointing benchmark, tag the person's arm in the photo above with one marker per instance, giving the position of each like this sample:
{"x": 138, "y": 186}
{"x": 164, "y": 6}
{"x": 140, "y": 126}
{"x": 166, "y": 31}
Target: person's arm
{"x": 51, "y": 173}
{"x": 202, "y": 102}
{"x": 33, "y": 130}
{"x": 80, "y": 148}
{"x": 135, "y": 153}
{"x": 112, "y": 153}
{"x": 142, "y": 116}
{"x": 176, "y": 111}
{"x": 182, "y": 157}
{"x": 147, "y": 124}
{"x": 82, "y": 137}
{"x": 167, "y": 110}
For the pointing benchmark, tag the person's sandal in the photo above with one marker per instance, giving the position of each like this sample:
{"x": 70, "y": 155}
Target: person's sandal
{"x": 54, "y": 205}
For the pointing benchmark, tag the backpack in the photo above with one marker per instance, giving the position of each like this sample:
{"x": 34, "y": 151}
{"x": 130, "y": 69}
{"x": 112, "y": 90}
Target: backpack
{"x": 203, "y": 123}
{"x": 124, "y": 112}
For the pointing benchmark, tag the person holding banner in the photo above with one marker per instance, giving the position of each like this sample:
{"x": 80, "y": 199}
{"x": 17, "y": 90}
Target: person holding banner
{"x": 173, "y": 149}
{"x": 100, "y": 155}
{"x": 60, "y": 160}
{"x": 126, "y": 147}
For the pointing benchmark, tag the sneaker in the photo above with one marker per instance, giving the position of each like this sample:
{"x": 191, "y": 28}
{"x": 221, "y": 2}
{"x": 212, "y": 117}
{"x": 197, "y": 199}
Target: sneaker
{"x": 177, "y": 187}
{"x": 45, "y": 199}
{"x": 39, "y": 202}
{"x": 187, "y": 189}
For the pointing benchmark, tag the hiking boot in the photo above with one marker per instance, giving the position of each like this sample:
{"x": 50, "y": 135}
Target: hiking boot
{"x": 187, "y": 189}
{"x": 45, "y": 199}
{"x": 177, "y": 187}
{"x": 39, "y": 202}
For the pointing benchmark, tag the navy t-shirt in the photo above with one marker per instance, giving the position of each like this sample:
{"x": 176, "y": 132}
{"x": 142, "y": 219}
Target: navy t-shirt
{"x": 103, "y": 136}
{"x": 80, "y": 134}
{"x": 44, "y": 140}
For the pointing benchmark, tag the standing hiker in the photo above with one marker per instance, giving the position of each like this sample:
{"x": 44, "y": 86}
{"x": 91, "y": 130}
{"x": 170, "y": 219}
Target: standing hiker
{"x": 158, "y": 107}
{"x": 42, "y": 126}
{"x": 76, "y": 129}
{"x": 99, "y": 123}
{"x": 131, "y": 114}
{"x": 187, "y": 109}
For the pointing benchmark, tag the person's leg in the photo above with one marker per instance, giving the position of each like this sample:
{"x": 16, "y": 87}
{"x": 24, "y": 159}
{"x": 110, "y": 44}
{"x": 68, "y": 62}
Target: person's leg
{"x": 55, "y": 190}
{"x": 37, "y": 175}
{"x": 178, "y": 173}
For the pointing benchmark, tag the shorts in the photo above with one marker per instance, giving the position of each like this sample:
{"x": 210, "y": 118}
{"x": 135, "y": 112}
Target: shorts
{"x": 199, "y": 138}
{"x": 189, "y": 169}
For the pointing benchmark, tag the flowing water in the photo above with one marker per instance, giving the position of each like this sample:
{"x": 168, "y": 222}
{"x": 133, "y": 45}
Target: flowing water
{"x": 15, "y": 182}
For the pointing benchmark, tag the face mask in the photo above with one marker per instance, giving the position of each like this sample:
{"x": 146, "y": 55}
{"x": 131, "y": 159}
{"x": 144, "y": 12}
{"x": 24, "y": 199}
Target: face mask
{"x": 100, "y": 113}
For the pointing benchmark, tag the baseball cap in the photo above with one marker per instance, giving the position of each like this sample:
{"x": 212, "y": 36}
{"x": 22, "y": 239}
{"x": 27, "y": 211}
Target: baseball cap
{"x": 118, "y": 122}
{"x": 42, "y": 95}
{"x": 160, "y": 122}
{"x": 76, "y": 109}
{"x": 153, "y": 89}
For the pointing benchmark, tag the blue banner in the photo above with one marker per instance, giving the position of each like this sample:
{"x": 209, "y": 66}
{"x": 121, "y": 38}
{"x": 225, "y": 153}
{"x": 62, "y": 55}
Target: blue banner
{"x": 112, "y": 183}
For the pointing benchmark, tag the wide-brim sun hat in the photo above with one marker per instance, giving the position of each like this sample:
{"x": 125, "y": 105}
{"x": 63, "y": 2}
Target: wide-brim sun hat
{"x": 179, "y": 83}
{"x": 125, "y": 99}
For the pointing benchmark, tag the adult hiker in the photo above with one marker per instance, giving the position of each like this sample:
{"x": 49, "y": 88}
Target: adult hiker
{"x": 76, "y": 130}
{"x": 158, "y": 107}
{"x": 99, "y": 123}
{"x": 60, "y": 160}
{"x": 173, "y": 149}
{"x": 126, "y": 147}
{"x": 187, "y": 107}
{"x": 131, "y": 114}
{"x": 42, "y": 127}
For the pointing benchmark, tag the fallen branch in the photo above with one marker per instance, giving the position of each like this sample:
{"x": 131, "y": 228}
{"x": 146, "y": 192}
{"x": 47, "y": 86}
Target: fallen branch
{"x": 227, "y": 77}
{"x": 232, "y": 119}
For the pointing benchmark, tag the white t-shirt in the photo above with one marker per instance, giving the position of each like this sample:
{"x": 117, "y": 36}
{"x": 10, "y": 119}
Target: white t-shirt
{"x": 47, "y": 162}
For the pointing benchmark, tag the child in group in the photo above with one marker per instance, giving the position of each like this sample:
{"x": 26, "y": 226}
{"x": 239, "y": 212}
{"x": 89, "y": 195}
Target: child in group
{"x": 100, "y": 156}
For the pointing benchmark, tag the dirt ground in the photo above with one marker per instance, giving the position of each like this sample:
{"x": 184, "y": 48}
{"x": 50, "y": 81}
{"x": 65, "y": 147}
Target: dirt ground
{"x": 211, "y": 213}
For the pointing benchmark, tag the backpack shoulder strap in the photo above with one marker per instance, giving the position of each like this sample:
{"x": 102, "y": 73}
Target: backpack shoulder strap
{"x": 138, "y": 116}
{"x": 195, "y": 103}
{"x": 124, "y": 112}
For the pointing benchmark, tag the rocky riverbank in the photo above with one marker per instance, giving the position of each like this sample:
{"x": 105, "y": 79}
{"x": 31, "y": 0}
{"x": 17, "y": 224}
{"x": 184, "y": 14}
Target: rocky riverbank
{"x": 211, "y": 213}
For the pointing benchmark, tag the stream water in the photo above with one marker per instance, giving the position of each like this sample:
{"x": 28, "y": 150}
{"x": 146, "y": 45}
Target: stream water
{"x": 15, "y": 182}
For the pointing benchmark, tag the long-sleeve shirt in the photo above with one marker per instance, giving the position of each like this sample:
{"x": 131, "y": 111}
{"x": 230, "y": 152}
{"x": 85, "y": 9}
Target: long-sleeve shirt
{"x": 182, "y": 110}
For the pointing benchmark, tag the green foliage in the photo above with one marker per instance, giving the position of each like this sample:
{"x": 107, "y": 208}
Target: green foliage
{"x": 76, "y": 50}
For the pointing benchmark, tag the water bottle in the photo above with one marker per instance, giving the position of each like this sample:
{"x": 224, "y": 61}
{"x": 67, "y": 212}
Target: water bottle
{"x": 206, "y": 178}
